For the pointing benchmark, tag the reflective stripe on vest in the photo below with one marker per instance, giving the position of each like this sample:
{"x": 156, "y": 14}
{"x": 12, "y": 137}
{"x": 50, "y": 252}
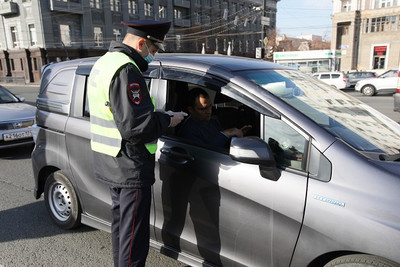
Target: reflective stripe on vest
{"x": 105, "y": 137}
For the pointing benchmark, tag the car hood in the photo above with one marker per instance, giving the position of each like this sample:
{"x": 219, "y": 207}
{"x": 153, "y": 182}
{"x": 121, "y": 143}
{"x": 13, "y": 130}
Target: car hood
{"x": 16, "y": 111}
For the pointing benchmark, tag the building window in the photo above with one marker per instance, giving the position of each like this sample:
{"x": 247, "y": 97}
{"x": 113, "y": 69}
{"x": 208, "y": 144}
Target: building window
{"x": 162, "y": 12}
{"x": 380, "y": 24}
{"x": 207, "y": 19}
{"x": 96, "y": 4}
{"x": 148, "y": 10}
{"x": 346, "y": 5}
{"x": 132, "y": 7}
{"x": 197, "y": 18}
{"x": 384, "y": 3}
{"x": 22, "y": 63}
{"x": 208, "y": 2}
{"x": 177, "y": 13}
{"x": 198, "y": 2}
{"x": 14, "y": 36}
{"x": 98, "y": 36}
{"x": 117, "y": 34}
{"x": 115, "y": 5}
{"x": 65, "y": 32}
{"x": 379, "y": 57}
{"x": 32, "y": 34}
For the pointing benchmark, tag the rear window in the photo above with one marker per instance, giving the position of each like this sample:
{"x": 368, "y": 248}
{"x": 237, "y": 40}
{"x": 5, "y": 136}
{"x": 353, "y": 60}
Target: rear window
{"x": 59, "y": 87}
{"x": 335, "y": 76}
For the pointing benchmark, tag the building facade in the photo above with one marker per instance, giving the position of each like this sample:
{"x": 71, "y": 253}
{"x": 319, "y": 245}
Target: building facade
{"x": 367, "y": 32}
{"x": 37, "y": 32}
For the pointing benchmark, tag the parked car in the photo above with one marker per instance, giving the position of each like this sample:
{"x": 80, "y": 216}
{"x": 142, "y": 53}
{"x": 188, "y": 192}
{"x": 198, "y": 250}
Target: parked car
{"x": 396, "y": 96}
{"x": 16, "y": 120}
{"x": 384, "y": 83}
{"x": 354, "y": 77}
{"x": 337, "y": 80}
{"x": 316, "y": 181}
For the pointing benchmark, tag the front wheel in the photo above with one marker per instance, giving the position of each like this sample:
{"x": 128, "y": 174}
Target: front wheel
{"x": 361, "y": 260}
{"x": 368, "y": 90}
{"x": 61, "y": 201}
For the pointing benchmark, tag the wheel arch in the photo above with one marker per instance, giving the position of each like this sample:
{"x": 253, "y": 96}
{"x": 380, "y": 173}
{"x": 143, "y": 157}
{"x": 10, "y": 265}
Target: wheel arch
{"x": 42, "y": 176}
{"x": 327, "y": 257}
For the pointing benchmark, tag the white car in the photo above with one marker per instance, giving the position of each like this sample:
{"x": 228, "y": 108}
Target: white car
{"x": 385, "y": 83}
{"x": 335, "y": 79}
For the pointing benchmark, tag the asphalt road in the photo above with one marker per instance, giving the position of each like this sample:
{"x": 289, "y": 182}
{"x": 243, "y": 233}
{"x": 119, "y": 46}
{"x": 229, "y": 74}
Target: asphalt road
{"x": 29, "y": 238}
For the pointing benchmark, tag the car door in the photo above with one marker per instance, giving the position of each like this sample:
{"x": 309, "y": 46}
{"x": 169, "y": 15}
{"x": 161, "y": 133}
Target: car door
{"x": 94, "y": 196}
{"x": 388, "y": 82}
{"x": 222, "y": 211}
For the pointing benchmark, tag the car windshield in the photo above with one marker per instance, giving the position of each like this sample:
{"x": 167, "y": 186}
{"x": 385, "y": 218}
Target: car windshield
{"x": 342, "y": 115}
{"x": 388, "y": 74}
{"x": 7, "y": 97}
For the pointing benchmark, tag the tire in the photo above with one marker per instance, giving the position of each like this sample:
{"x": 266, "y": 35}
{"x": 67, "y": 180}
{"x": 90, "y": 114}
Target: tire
{"x": 61, "y": 201}
{"x": 361, "y": 260}
{"x": 368, "y": 90}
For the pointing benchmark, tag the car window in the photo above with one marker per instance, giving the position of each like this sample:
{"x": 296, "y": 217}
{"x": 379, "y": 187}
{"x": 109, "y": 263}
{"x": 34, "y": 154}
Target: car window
{"x": 391, "y": 73}
{"x": 227, "y": 111}
{"x": 288, "y": 146}
{"x": 325, "y": 76}
{"x": 335, "y": 76}
{"x": 7, "y": 97}
{"x": 60, "y": 87}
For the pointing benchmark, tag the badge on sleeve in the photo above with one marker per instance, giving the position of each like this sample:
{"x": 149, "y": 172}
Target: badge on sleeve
{"x": 135, "y": 93}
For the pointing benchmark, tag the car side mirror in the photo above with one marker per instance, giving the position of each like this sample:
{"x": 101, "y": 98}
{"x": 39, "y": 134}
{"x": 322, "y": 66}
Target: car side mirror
{"x": 253, "y": 150}
{"x": 21, "y": 98}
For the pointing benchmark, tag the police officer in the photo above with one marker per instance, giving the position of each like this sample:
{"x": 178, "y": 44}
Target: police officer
{"x": 124, "y": 130}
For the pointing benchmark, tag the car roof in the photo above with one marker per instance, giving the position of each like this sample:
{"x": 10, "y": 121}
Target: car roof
{"x": 228, "y": 63}
{"x": 202, "y": 62}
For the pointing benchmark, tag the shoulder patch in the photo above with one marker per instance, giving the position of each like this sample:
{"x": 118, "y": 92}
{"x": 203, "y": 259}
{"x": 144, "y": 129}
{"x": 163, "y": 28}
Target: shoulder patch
{"x": 135, "y": 93}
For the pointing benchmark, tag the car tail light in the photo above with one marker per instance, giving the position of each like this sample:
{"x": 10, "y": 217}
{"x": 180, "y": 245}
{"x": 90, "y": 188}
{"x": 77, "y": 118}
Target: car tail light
{"x": 398, "y": 82}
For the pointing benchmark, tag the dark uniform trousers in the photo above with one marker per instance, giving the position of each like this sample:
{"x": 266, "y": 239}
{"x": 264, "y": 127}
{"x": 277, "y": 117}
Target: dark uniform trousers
{"x": 130, "y": 225}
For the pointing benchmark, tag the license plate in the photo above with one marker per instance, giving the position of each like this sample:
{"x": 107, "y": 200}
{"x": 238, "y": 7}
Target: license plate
{"x": 17, "y": 135}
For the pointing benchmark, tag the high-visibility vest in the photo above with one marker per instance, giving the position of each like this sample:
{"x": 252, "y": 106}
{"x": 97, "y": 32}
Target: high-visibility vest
{"x": 105, "y": 137}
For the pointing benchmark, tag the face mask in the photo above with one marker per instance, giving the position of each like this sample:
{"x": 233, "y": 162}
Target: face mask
{"x": 149, "y": 58}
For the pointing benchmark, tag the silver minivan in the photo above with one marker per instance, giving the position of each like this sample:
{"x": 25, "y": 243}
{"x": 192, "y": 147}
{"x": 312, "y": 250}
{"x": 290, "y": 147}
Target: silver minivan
{"x": 315, "y": 183}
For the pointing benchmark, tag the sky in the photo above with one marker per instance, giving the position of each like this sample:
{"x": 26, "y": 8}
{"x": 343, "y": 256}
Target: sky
{"x": 303, "y": 17}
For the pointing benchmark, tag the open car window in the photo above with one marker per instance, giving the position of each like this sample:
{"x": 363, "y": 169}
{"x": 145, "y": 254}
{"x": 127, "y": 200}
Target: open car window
{"x": 229, "y": 112}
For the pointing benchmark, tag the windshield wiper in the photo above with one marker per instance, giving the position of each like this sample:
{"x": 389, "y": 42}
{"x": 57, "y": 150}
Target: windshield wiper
{"x": 393, "y": 157}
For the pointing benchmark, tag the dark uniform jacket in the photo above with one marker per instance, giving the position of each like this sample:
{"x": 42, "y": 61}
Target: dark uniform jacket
{"x": 204, "y": 132}
{"x": 138, "y": 124}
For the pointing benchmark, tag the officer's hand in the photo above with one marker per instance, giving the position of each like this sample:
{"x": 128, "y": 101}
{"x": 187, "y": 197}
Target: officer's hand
{"x": 176, "y": 118}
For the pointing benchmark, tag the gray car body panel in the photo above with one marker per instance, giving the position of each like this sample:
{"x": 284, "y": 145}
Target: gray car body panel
{"x": 207, "y": 205}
